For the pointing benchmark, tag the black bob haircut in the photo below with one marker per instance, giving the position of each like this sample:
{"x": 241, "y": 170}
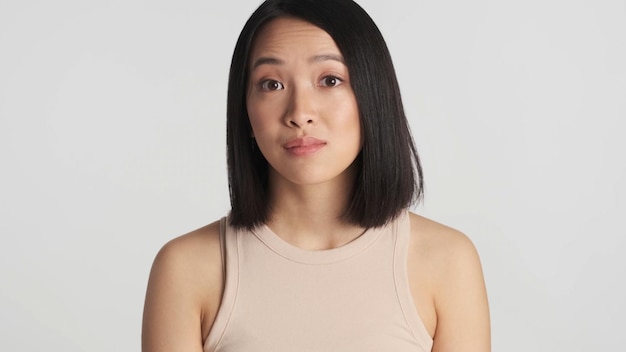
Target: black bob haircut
{"x": 389, "y": 175}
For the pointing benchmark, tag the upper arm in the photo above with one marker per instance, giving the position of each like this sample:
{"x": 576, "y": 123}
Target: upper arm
{"x": 460, "y": 300}
{"x": 183, "y": 293}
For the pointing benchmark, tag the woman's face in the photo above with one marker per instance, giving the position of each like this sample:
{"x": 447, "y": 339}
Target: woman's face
{"x": 301, "y": 106}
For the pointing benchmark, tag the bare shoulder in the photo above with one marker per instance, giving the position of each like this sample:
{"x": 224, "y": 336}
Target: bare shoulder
{"x": 184, "y": 291}
{"x": 448, "y": 287}
{"x": 440, "y": 243}
{"x": 193, "y": 259}
{"x": 198, "y": 248}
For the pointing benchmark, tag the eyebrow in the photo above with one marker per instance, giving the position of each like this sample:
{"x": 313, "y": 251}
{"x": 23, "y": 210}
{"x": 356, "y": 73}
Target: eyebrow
{"x": 325, "y": 57}
{"x": 265, "y": 60}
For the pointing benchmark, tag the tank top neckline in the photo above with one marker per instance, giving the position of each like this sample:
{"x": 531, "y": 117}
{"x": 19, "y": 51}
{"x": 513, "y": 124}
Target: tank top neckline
{"x": 317, "y": 257}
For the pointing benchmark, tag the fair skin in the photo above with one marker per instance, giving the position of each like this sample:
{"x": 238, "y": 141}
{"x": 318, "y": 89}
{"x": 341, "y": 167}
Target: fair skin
{"x": 305, "y": 121}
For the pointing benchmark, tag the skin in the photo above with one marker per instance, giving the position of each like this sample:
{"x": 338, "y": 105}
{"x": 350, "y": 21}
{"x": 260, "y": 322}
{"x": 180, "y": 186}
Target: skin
{"x": 299, "y": 87}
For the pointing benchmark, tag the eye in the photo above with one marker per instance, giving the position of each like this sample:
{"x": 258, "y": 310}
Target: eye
{"x": 330, "y": 81}
{"x": 271, "y": 85}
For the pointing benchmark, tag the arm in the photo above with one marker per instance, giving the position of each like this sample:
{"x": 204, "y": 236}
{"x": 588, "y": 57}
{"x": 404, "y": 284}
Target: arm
{"x": 183, "y": 293}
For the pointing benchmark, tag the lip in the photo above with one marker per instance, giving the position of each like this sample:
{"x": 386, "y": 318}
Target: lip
{"x": 304, "y": 145}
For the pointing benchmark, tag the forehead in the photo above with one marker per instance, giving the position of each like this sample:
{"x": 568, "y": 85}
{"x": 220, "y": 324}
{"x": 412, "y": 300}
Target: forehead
{"x": 286, "y": 36}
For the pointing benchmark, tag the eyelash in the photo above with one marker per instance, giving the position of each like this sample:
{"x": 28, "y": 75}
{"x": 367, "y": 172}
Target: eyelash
{"x": 338, "y": 81}
{"x": 264, "y": 85}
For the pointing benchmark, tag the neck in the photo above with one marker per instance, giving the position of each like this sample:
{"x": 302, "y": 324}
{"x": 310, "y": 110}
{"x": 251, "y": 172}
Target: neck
{"x": 310, "y": 216}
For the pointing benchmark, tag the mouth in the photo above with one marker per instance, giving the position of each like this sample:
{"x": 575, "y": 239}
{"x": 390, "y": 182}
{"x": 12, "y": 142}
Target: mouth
{"x": 304, "y": 146}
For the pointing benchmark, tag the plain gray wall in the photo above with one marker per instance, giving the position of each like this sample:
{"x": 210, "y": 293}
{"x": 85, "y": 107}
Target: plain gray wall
{"x": 112, "y": 142}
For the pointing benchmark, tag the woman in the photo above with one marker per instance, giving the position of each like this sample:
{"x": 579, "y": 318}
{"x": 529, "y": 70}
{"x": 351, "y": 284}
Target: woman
{"x": 319, "y": 252}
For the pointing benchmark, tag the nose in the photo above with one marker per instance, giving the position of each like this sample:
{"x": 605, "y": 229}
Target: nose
{"x": 301, "y": 108}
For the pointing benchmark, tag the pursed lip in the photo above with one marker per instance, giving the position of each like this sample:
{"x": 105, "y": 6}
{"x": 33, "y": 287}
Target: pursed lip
{"x": 303, "y": 142}
{"x": 304, "y": 145}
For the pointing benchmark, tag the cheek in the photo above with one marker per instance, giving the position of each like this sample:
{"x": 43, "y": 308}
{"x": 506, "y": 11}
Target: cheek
{"x": 346, "y": 115}
{"x": 255, "y": 115}
{"x": 253, "y": 107}
{"x": 261, "y": 119}
{"x": 262, "y": 108}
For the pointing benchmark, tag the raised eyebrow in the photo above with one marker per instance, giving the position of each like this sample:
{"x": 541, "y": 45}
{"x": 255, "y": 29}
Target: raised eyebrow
{"x": 325, "y": 57}
{"x": 264, "y": 60}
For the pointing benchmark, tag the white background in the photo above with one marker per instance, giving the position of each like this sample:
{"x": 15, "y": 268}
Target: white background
{"x": 112, "y": 142}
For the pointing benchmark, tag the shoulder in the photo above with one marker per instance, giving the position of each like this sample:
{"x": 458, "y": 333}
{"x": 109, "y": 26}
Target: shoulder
{"x": 446, "y": 255}
{"x": 442, "y": 245}
{"x": 185, "y": 287}
{"x": 193, "y": 260}
{"x": 201, "y": 247}
{"x": 447, "y": 283}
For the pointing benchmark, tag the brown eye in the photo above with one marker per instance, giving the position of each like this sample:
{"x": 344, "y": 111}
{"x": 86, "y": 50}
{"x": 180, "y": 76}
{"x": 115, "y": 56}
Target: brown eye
{"x": 271, "y": 85}
{"x": 330, "y": 81}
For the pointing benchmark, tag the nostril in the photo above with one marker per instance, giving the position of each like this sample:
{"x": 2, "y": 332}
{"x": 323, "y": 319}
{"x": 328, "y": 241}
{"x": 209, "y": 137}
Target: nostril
{"x": 309, "y": 121}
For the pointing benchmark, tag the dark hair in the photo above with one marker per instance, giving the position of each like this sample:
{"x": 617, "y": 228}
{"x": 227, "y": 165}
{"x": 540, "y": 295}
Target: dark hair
{"x": 386, "y": 182}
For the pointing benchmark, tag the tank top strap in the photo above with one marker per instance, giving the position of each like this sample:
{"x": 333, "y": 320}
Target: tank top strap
{"x": 402, "y": 232}
{"x": 229, "y": 239}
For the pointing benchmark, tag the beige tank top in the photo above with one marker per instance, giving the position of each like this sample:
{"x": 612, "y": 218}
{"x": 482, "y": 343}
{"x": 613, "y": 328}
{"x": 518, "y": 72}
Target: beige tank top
{"x": 281, "y": 298}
